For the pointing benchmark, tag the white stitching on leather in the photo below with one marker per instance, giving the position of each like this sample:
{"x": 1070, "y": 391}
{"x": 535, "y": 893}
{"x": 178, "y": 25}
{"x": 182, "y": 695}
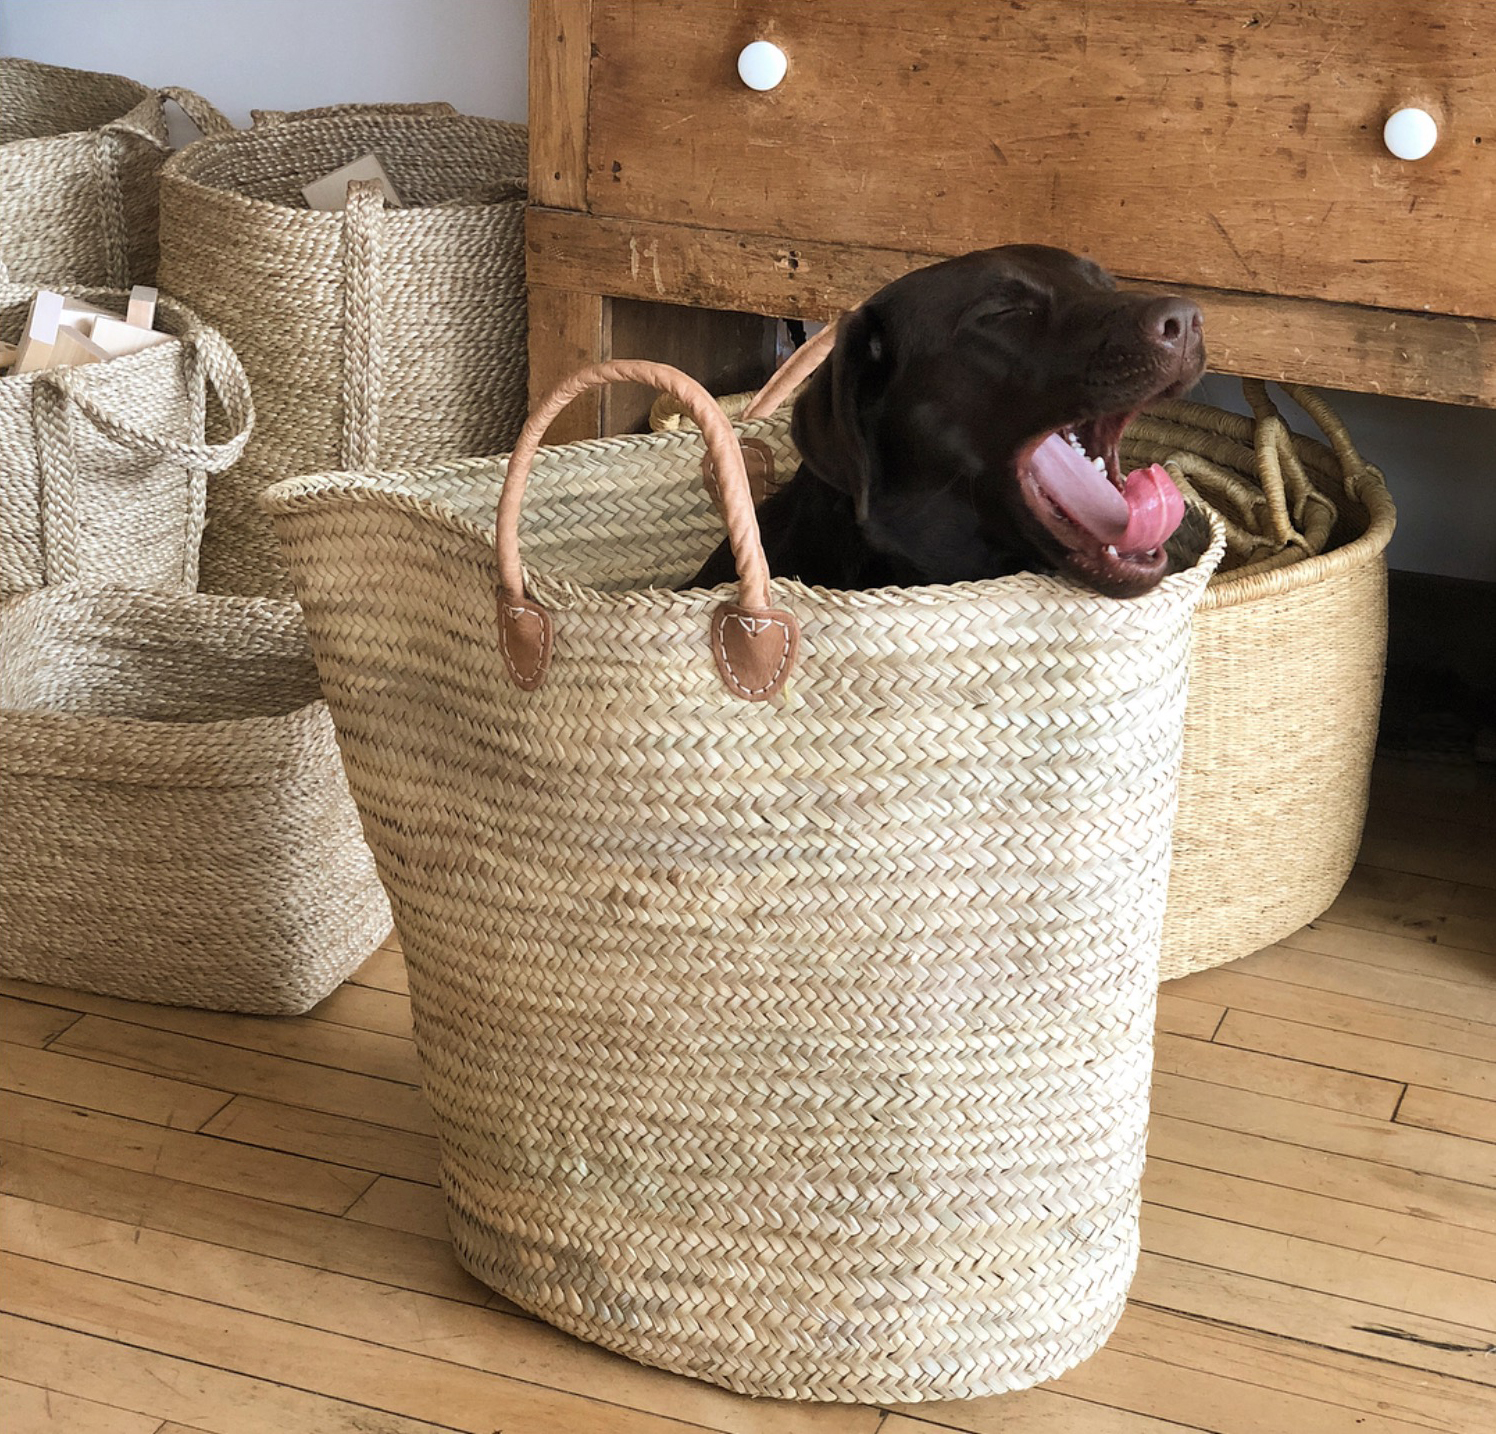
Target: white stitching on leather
{"x": 752, "y": 626}
{"x": 515, "y": 614}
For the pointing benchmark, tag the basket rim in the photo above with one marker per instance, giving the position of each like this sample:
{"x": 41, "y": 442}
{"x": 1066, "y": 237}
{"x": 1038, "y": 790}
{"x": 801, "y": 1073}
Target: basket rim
{"x": 293, "y": 496}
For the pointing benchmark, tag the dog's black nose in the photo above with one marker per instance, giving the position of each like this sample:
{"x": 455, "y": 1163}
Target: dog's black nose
{"x": 1170, "y": 323}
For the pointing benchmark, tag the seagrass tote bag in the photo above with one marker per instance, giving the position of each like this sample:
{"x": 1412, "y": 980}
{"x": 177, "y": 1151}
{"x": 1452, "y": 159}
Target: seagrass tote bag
{"x": 104, "y": 466}
{"x": 80, "y": 159}
{"x": 177, "y": 825}
{"x": 373, "y": 336}
{"x": 783, "y": 961}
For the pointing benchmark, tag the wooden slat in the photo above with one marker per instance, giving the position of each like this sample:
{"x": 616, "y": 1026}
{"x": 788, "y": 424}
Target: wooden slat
{"x": 568, "y": 330}
{"x": 179, "y": 1155}
{"x": 559, "y": 56}
{"x": 1325, "y": 960}
{"x": 1334, "y": 1219}
{"x": 1275, "y": 1160}
{"x": 1413, "y": 355}
{"x": 1276, "y": 1073}
{"x": 340, "y": 1140}
{"x": 1454, "y": 1114}
{"x": 385, "y": 969}
{"x": 74, "y": 1080}
{"x": 402, "y": 1205}
{"x": 314, "y": 1361}
{"x": 27, "y": 1409}
{"x": 1405, "y": 904}
{"x": 1178, "y": 1016}
{"x": 457, "y": 1336}
{"x": 25, "y": 1023}
{"x": 366, "y": 1009}
{"x": 1311, "y": 1317}
{"x": 260, "y": 1225}
{"x": 1418, "y": 1152}
{"x": 243, "y": 1072}
{"x": 1418, "y": 955}
{"x": 1366, "y": 1055}
{"x": 214, "y": 1400}
{"x": 1322, "y": 1011}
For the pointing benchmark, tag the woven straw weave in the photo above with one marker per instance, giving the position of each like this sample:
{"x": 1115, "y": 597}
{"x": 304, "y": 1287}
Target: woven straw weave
{"x": 372, "y": 336}
{"x": 802, "y": 1047}
{"x": 80, "y": 155}
{"x": 103, "y": 467}
{"x": 178, "y": 828}
{"x": 1285, "y": 672}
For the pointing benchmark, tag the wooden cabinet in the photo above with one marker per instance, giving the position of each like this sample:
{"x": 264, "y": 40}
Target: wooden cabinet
{"x": 1232, "y": 150}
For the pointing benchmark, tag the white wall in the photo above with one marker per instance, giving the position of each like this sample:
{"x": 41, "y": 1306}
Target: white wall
{"x": 290, "y": 54}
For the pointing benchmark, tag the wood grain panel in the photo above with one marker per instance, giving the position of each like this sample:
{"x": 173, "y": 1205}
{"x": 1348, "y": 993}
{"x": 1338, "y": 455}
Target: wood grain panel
{"x": 1204, "y": 143}
{"x": 1342, "y": 346}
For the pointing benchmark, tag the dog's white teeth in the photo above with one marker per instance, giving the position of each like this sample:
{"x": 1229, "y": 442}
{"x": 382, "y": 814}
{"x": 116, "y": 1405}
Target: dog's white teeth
{"x": 1111, "y": 550}
{"x": 1099, "y": 464}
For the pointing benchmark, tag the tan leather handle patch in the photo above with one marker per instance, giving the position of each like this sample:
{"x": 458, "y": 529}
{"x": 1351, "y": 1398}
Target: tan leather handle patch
{"x": 526, "y": 634}
{"x": 758, "y": 461}
{"x": 754, "y": 649}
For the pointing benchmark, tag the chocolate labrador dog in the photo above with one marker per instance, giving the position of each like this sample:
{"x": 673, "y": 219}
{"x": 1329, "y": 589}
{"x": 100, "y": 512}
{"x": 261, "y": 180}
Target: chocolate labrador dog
{"x": 966, "y": 426}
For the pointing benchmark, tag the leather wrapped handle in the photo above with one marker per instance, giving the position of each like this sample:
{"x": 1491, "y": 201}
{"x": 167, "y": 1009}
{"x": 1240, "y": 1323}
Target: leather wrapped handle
{"x": 791, "y": 373}
{"x": 754, "y": 644}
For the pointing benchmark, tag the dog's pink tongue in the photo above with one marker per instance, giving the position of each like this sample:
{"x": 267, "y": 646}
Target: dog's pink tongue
{"x": 1083, "y": 494}
{"x": 1155, "y": 507}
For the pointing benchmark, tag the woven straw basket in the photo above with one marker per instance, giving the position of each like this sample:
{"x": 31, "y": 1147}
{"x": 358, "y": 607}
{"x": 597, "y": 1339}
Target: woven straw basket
{"x": 178, "y": 828}
{"x": 1285, "y": 668}
{"x": 80, "y": 155}
{"x": 103, "y": 467}
{"x": 1285, "y": 672}
{"x": 372, "y": 336}
{"x": 783, "y": 972}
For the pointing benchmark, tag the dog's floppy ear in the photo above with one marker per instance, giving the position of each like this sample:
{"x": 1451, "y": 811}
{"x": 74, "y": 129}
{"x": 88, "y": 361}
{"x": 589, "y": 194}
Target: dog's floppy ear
{"x": 829, "y": 426}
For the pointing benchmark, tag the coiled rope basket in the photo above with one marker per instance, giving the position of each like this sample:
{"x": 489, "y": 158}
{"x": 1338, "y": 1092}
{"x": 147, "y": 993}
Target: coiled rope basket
{"x": 783, "y": 962}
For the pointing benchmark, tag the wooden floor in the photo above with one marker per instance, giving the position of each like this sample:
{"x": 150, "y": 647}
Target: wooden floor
{"x": 229, "y": 1224}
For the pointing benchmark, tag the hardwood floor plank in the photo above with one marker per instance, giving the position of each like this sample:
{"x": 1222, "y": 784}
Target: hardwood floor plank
{"x": 1332, "y": 1219}
{"x": 1350, "y": 1326}
{"x": 1457, "y": 914}
{"x": 1366, "y": 1387}
{"x": 29, "y": 1409}
{"x": 1453, "y": 1114}
{"x": 1276, "y": 1073}
{"x": 1178, "y": 1016}
{"x": 317, "y": 1135}
{"x": 332, "y": 1365}
{"x": 384, "y": 970}
{"x": 455, "y": 1334}
{"x": 186, "y": 1391}
{"x": 1421, "y": 1151}
{"x": 1396, "y": 1285}
{"x": 402, "y": 1205}
{"x": 75, "y": 1080}
{"x": 25, "y": 1023}
{"x": 1413, "y": 988}
{"x": 1416, "y": 955}
{"x": 407, "y": 1261}
{"x": 1391, "y": 1061}
{"x": 275, "y": 1078}
{"x": 365, "y": 1008}
{"x": 1355, "y": 1179}
{"x": 181, "y": 1155}
{"x": 1428, "y": 845}
{"x": 1333, "y": 1011}
{"x": 1032, "y": 1411}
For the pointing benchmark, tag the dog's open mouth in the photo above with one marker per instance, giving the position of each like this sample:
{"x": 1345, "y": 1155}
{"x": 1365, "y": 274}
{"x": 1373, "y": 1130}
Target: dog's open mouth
{"x": 1112, "y": 526}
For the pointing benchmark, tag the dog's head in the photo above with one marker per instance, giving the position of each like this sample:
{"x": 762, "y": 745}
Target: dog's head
{"x": 973, "y": 409}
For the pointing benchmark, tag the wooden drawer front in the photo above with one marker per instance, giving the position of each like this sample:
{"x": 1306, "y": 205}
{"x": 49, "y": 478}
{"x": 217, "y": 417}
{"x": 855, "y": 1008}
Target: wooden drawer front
{"x": 1231, "y": 146}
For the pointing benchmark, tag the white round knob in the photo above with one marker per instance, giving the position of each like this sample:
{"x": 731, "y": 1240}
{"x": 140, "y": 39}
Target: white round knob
{"x": 1410, "y": 133}
{"x": 761, "y": 66}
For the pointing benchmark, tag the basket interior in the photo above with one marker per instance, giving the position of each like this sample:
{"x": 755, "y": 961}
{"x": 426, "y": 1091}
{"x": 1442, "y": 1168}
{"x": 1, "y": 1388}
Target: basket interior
{"x": 40, "y": 100}
{"x": 159, "y": 659}
{"x": 429, "y": 160}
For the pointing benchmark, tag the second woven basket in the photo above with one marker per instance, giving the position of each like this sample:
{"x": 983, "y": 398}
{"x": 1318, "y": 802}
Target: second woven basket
{"x": 371, "y": 335}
